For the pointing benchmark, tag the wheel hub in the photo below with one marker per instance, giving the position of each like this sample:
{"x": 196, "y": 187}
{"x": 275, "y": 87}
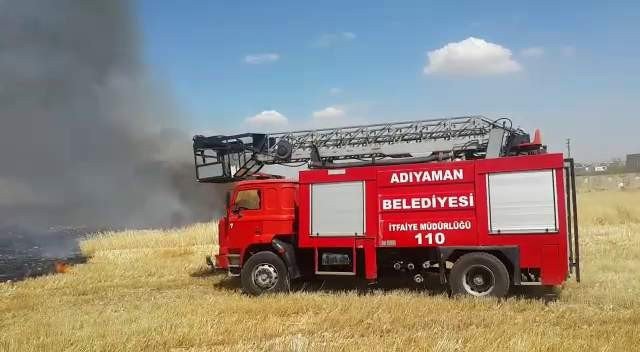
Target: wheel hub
{"x": 478, "y": 280}
{"x": 265, "y": 276}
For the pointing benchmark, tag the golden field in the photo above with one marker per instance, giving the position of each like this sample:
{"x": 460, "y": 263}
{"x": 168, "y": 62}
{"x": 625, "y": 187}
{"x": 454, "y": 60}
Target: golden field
{"x": 150, "y": 290}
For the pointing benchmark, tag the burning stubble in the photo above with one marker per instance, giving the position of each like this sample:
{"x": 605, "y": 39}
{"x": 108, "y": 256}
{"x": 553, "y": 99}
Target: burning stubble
{"x": 87, "y": 137}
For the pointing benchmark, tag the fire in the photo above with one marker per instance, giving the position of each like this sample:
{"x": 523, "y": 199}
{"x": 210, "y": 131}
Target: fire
{"x": 61, "y": 267}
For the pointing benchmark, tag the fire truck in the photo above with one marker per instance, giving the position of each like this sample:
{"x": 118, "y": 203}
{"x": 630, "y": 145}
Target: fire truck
{"x": 475, "y": 202}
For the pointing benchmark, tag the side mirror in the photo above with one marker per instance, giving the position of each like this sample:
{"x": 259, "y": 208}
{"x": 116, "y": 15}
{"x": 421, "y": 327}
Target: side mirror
{"x": 237, "y": 210}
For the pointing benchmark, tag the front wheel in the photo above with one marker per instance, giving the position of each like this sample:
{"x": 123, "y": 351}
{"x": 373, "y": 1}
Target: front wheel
{"x": 479, "y": 274}
{"x": 264, "y": 272}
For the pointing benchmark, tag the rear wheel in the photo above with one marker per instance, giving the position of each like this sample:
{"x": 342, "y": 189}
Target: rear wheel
{"x": 264, "y": 272}
{"x": 479, "y": 274}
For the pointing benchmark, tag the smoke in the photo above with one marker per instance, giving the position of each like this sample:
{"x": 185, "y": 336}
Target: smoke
{"x": 87, "y": 137}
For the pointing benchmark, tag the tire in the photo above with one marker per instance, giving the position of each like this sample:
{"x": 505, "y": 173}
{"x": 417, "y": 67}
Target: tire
{"x": 479, "y": 274}
{"x": 264, "y": 272}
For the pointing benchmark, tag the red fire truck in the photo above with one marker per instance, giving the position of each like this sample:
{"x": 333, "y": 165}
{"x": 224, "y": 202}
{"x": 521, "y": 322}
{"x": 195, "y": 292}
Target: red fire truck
{"x": 471, "y": 200}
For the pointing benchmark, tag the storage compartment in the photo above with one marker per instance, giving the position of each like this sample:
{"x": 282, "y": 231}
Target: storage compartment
{"x": 337, "y": 209}
{"x": 336, "y": 261}
{"x": 522, "y": 202}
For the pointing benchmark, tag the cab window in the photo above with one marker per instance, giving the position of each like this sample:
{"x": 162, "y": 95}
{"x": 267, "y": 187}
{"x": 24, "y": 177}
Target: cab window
{"x": 248, "y": 199}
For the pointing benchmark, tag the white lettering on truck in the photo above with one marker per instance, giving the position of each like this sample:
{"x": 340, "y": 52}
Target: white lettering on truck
{"x": 433, "y": 202}
{"x": 430, "y": 232}
{"x": 430, "y": 226}
{"x": 427, "y": 176}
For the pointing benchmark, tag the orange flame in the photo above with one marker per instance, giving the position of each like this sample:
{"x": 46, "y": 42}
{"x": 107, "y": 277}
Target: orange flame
{"x": 61, "y": 267}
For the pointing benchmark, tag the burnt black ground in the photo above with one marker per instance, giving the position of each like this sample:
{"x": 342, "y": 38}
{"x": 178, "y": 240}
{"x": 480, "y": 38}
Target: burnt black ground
{"x": 27, "y": 253}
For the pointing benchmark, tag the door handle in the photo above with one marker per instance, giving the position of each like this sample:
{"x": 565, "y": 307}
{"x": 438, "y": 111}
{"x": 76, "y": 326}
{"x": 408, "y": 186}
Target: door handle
{"x": 258, "y": 231}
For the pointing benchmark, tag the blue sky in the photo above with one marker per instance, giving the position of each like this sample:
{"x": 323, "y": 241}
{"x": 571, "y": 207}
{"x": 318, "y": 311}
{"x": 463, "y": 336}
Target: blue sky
{"x": 569, "y": 68}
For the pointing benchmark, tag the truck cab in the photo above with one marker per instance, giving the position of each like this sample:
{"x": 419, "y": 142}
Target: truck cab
{"x": 258, "y": 211}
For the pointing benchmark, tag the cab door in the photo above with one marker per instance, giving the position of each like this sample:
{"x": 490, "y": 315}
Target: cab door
{"x": 246, "y": 217}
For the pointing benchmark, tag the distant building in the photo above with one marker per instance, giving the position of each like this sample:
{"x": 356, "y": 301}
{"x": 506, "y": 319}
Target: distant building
{"x": 581, "y": 168}
{"x": 633, "y": 162}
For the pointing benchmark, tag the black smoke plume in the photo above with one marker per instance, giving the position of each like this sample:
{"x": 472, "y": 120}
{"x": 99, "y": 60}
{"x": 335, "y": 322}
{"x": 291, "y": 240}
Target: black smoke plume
{"x": 87, "y": 137}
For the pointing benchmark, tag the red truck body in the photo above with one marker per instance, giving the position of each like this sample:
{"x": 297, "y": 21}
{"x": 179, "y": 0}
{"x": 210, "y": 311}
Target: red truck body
{"x": 410, "y": 218}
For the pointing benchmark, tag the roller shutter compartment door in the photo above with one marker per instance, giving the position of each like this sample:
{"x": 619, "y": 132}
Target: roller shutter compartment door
{"x": 522, "y": 202}
{"x": 337, "y": 209}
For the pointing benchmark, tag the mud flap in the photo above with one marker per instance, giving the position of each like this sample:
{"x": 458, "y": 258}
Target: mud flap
{"x": 287, "y": 252}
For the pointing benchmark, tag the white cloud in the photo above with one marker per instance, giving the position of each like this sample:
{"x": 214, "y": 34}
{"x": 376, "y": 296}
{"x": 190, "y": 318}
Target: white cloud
{"x": 264, "y": 58}
{"x": 330, "y": 39}
{"x": 330, "y": 112}
{"x": 267, "y": 119}
{"x": 532, "y": 52}
{"x": 335, "y": 91}
{"x": 348, "y": 35}
{"x": 471, "y": 57}
{"x": 568, "y": 51}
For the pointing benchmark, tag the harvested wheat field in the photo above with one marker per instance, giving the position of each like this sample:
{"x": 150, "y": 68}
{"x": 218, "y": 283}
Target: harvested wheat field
{"x": 150, "y": 290}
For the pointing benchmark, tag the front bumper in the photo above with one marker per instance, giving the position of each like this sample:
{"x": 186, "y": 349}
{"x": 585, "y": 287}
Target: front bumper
{"x": 214, "y": 266}
{"x": 229, "y": 263}
{"x": 222, "y": 261}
